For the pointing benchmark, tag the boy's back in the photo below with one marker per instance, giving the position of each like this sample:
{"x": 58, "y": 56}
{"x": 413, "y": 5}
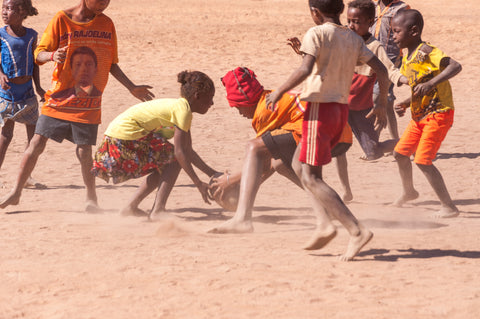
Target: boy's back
{"x": 337, "y": 50}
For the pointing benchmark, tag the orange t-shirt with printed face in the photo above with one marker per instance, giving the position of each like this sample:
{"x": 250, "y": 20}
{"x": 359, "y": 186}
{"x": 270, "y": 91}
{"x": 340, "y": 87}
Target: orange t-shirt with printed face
{"x": 78, "y": 83}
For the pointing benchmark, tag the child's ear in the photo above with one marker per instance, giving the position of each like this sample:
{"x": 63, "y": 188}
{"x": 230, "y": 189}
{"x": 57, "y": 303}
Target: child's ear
{"x": 371, "y": 22}
{"x": 414, "y": 31}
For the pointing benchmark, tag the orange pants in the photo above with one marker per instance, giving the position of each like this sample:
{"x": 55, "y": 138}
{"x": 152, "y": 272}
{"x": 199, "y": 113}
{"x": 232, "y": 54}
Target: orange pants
{"x": 425, "y": 136}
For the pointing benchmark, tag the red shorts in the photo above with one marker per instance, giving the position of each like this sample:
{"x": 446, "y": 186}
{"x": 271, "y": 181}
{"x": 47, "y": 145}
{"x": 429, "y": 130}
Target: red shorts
{"x": 322, "y": 128}
{"x": 425, "y": 136}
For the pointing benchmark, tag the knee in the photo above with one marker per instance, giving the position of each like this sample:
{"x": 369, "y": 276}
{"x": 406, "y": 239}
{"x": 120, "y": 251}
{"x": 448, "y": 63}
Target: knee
{"x": 399, "y": 157}
{"x": 252, "y": 147}
{"x": 423, "y": 167}
{"x": 84, "y": 154}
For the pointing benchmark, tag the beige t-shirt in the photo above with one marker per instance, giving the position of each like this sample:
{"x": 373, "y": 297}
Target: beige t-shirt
{"x": 337, "y": 50}
{"x": 376, "y": 47}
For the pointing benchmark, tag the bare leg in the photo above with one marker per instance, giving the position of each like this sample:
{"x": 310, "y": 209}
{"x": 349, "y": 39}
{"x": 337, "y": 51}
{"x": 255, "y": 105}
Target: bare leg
{"x": 6, "y": 138}
{"x": 435, "y": 179}
{"x": 326, "y": 197}
{"x": 165, "y": 185}
{"x": 256, "y": 162}
{"x": 31, "y": 182}
{"x": 84, "y": 155}
{"x": 406, "y": 175}
{"x": 288, "y": 172}
{"x": 342, "y": 170}
{"x": 27, "y": 164}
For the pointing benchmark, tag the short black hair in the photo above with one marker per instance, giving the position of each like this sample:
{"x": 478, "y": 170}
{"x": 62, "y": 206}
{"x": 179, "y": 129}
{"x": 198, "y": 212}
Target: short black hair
{"x": 366, "y": 6}
{"x": 84, "y": 50}
{"x": 332, "y": 7}
{"x": 411, "y": 18}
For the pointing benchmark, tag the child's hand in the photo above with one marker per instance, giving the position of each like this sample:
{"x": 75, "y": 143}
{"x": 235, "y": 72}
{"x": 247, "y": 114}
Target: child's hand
{"x": 422, "y": 89}
{"x": 60, "y": 55}
{"x": 142, "y": 93}
{"x": 400, "y": 109}
{"x": 203, "y": 188}
{"x": 402, "y": 80}
{"x": 271, "y": 101}
{"x": 295, "y": 44}
{"x": 380, "y": 117}
{"x": 4, "y": 82}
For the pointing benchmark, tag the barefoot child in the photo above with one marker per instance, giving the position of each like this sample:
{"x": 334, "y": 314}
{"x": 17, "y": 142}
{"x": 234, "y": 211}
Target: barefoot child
{"x": 17, "y": 98}
{"x": 135, "y": 144}
{"x": 428, "y": 70}
{"x": 75, "y": 117}
{"x": 327, "y": 87}
{"x": 278, "y": 134}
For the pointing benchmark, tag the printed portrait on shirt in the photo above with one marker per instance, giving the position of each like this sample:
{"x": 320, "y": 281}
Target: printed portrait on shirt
{"x": 83, "y": 67}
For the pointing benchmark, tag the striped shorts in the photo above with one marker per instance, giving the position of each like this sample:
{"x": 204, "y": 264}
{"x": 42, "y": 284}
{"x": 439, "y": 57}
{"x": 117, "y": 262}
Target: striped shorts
{"x": 322, "y": 128}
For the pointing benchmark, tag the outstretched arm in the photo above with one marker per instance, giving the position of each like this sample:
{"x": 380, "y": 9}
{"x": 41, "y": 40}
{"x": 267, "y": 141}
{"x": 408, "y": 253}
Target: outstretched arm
{"x": 450, "y": 69}
{"x": 183, "y": 154}
{"x": 297, "y": 77}
{"x": 141, "y": 92}
{"x": 198, "y": 162}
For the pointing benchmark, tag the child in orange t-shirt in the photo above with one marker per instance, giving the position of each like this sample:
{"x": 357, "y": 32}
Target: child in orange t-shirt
{"x": 277, "y": 136}
{"x": 75, "y": 116}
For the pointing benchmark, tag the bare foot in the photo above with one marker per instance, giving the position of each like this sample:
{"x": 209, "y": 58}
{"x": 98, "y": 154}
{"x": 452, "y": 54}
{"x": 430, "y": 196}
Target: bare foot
{"x": 158, "y": 216}
{"x": 32, "y": 183}
{"x": 446, "y": 212}
{"x": 10, "y": 199}
{"x": 321, "y": 238}
{"x": 405, "y": 198}
{"x": 129, "y": 211}
{"x": 356, "y": 243}
{"x": 92, "y": 207}
{"x": 232, "y": 226}
{"x": 347, "y": 197}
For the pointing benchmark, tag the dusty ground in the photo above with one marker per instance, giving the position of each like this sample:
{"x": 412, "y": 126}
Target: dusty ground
{"x": 57, "y": 262}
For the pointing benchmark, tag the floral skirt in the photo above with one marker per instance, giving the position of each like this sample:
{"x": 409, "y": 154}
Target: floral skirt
{"x": 122, "y": 160}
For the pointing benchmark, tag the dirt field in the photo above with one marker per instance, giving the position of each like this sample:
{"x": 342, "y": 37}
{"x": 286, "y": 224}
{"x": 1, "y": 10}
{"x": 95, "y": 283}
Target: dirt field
{"x": 58, "y": 262}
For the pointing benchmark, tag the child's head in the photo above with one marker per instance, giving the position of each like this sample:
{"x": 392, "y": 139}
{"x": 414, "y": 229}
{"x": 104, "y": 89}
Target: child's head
{"x": 320, "y": 9}
{"x": 198, "y": 89}
{"x": 360, "y": 16}
{"x": 15, "y": 11}
{"x": 407, "y": 26}
{"x": 96, "y": 6}
{"x": 243, "y": 90}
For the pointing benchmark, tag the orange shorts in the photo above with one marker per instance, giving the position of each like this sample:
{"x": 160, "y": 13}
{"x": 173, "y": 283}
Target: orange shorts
{"x": 425, "y": 136}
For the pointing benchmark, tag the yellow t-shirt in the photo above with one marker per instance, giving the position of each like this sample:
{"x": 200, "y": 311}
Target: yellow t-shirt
{"x": 337, "y": 50}
{"x": 420, "y": 68}
{"x": 161, "y": 115}
{"x": 99, "y": 36}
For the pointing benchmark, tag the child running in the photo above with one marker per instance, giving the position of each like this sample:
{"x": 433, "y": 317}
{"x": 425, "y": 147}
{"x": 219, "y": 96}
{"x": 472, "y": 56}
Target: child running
{"x": 18, "y": 102}
{"x": 362, "y": 113}
{"x": 428, "y": 70}
{"x": 331, "y": 52}
{"x": 278, "y": 134}
{"x": 135, "y": 144}
{"x": 75, "y": 117}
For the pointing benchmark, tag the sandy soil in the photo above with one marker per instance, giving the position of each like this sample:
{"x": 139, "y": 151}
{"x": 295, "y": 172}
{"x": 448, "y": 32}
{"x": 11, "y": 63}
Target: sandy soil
{"x": 58, "y": 262}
